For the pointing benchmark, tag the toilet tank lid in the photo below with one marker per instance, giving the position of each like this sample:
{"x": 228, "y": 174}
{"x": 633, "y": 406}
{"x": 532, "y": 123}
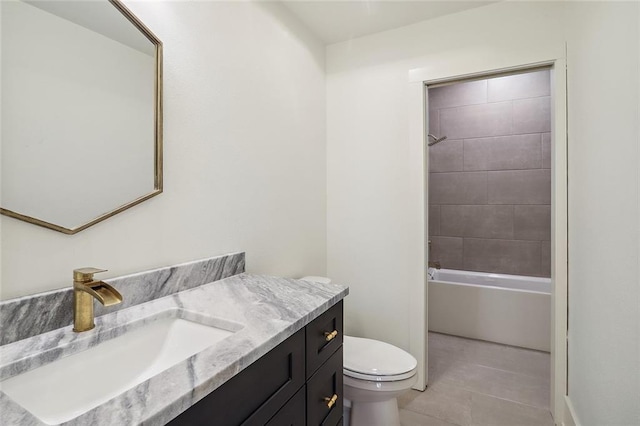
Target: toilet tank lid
{"x": 376, "y": 358}
{"x": 321, "y": 280}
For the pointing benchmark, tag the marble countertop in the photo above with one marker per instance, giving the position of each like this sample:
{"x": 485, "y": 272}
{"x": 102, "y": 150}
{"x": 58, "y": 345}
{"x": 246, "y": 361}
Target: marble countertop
{"x": 270, "y": 309}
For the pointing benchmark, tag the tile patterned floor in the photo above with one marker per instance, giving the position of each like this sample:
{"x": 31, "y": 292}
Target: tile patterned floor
{"x": 475, "y": 383}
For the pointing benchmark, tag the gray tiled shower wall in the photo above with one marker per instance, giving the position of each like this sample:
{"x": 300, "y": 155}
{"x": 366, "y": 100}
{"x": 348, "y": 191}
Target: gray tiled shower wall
{"x": 490, "y": 181}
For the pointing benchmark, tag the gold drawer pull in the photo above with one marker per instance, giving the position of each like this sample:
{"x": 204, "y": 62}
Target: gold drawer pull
{"x": 331, "y": 401}
{"x": 330, "y": 336}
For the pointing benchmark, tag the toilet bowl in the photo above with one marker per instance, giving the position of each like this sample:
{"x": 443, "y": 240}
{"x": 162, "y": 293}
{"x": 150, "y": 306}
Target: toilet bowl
{"x": 375, "y": 374}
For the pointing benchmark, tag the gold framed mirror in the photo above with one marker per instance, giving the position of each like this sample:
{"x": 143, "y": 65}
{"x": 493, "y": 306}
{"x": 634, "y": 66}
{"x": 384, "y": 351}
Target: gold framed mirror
{"x": 81, "y": 112}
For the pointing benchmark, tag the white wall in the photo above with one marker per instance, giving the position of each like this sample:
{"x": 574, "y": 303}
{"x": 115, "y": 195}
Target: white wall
{"x": 372, "y": 223}
{"x": 244, "y": 116}
{"x": 604, "y": 310}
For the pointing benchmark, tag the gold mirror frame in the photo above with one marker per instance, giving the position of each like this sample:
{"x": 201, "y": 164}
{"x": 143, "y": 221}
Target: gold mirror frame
{"x": 157, "y": 130}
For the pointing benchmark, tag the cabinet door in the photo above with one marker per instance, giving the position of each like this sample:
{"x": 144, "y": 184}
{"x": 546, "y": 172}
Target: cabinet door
{"x": 293, "y": 413}
{"x": 323, "y": 387}
{"x": 324, "y": 337}
{"x": 253, "y": 396}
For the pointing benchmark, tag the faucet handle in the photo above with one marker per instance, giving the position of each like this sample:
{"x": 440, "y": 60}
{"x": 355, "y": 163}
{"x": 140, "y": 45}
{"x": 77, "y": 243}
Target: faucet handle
{"x": 86, "y": 274}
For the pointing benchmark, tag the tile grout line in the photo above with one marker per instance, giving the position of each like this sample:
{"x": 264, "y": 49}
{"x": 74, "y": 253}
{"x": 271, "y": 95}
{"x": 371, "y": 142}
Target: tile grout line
{"x": 487, "y": 102}
{"x": 468, "y": 362}
{"x": 497, "y": 397}
{"x": 494, "y": 396}
{"x": 499, "y": 135}
{"x": 489, "y": 170}
{"x": 431, "y": 417}
{"x": 499, "y": 369}
{"x": 462, "y": 361}
{"x": 541, "y": 151}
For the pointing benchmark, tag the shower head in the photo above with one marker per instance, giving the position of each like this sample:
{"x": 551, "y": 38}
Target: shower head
{"x": 435, "y": 139}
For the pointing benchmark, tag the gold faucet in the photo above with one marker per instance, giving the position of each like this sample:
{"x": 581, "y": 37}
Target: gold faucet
{"x": 84, "y": 290}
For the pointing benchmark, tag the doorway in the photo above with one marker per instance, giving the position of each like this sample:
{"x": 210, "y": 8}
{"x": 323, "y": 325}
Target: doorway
{"x": 481, "y": 252}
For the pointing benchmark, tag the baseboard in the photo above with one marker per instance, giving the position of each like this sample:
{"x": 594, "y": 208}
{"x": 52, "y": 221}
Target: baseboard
{"x": 570, "y": 418}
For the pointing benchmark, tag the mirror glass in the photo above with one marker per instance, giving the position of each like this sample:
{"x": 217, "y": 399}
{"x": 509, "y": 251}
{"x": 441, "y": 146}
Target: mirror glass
{"x": 80, "y": 117}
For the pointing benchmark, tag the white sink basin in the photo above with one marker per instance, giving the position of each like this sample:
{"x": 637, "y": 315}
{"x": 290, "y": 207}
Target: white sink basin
{"x": 66, "y": 388}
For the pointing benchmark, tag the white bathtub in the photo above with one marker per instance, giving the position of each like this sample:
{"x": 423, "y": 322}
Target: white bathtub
{"x": 509, "y": 309}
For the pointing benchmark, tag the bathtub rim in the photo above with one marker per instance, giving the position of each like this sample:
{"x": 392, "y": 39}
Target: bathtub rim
{"x": 547, "y": 282}
{"x": 493, "y": 287}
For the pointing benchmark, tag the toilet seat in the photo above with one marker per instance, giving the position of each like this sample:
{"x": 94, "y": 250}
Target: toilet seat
{"x": 372, "y": 378}
{"x": 376, "y": 361}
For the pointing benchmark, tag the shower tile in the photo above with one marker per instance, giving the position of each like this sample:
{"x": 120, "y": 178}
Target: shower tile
{"x": 492, "y": 221}
{"x": 502, "y": 256}
{"x": 458, "y": 188}
{"x": 546, "y": 150}
{"x": 434, "y": 220}
{"x": 519, "y": 86}
{"x": 519, "y": 187}
{"x": 532, "y": 222}
{"x": 546, "y": 259}
{"x": 503, "y": 153}
{"x": 477, "y": 121}
{"x": 447, "y": 251}
{"x": 446, "y": 156}
{"x": 460, "y": 94}
{"x": 434, "y": 122}
{"x": 532, "y": 115}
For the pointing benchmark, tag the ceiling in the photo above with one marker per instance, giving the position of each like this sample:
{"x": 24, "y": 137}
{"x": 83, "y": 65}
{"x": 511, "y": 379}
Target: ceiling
{"x": 335, "y": 21}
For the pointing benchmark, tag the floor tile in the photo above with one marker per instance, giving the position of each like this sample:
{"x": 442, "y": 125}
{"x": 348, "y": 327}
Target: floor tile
{"x": 476, "y": 383}
{"x": 500, "y": 371}
{"x": 516, "y": 387}
{"x": 503, "y": 357}
{"x": 411, "y": 418}
{"x": 447, "y": 403}
{"x": 489, "y": 411}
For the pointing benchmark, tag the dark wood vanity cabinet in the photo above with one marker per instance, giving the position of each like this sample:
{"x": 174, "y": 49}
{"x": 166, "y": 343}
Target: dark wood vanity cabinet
{"x": 325, "y": 383}
{"x": 319, "y": 343}
{"x": 293, "y": 413}
{"x": 324, "y": 367}
{"x": 298, "y": 383}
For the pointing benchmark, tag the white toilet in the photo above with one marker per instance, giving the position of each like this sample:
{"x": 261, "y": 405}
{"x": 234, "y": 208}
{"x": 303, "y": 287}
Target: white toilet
{"x": 375, "y": 373}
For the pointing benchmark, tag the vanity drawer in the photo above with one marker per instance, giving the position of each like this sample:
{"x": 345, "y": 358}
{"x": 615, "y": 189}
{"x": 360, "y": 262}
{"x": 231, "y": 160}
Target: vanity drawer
{"x": 326, "y": 385}
{"x": 324, "y": 337}
{"x": 293, "y": 413}
{"x": 255, "y": 395}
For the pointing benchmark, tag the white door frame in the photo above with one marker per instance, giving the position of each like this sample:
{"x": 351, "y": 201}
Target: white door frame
{"x": 473, "y": 67}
